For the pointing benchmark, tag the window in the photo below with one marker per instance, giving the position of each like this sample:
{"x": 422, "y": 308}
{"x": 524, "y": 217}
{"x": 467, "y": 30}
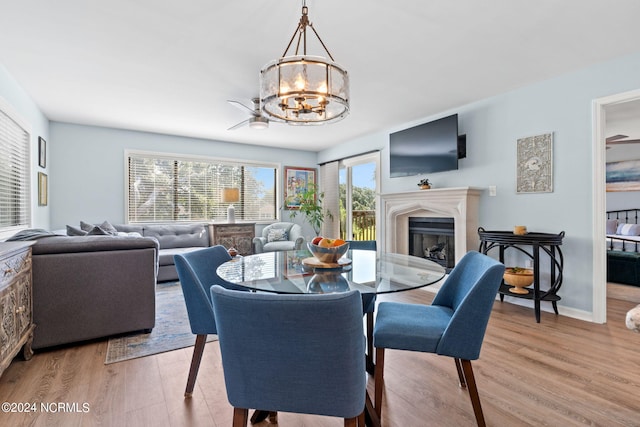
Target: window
{"x": 164, "y": 188}
{"x": 15, "y": 172}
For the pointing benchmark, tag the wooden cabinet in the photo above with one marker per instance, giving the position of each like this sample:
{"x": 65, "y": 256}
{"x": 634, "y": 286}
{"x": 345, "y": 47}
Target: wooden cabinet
{"x": 16, "y": 329}
{"x": 239, "y": 236}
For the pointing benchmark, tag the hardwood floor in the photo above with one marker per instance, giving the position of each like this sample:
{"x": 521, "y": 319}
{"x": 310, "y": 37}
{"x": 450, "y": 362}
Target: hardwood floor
{"x": 560, "y": 372}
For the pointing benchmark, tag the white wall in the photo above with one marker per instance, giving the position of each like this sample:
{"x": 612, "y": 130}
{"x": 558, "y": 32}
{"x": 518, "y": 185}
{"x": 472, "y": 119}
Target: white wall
{"x": 87, "y": 167}
{"x": 562, "y": 105}
{"x": 11, "y": 93}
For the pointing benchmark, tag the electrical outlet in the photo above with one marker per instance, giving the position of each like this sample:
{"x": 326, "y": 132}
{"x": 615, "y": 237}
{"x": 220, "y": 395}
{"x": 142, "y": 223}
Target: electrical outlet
{"x": 492, "y": 190}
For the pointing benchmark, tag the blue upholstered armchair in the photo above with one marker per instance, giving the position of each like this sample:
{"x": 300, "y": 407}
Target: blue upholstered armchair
{"x": 453, "y": 325}
{"x": 312, "y": 361}
{"x": 279, "y": 236}
{"x": 197, "y": 273}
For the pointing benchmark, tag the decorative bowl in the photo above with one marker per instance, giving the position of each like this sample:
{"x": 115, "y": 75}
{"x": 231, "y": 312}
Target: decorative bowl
{"x": 329, "y": 255}
{"x": 327, "y": 282}
{"x": 519, "y": 278}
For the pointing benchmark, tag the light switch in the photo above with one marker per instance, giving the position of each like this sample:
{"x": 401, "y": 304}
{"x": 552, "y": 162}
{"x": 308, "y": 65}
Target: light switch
{"x": 492, "y": 190}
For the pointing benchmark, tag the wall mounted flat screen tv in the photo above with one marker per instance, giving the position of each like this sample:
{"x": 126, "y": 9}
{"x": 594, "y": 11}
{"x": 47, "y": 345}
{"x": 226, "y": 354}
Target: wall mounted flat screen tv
{"x": 427, "y": 148}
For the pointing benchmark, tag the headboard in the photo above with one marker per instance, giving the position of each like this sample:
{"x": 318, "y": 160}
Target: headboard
{"x": 627, "y": 216}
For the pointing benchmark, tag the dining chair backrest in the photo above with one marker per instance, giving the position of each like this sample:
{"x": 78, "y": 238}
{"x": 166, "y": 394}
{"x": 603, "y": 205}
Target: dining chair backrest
{"x": 312, "y": 357}
{"x": 369, "y": 245}
{"x": 197, "y": 273}
{"x": 469, "y": 291}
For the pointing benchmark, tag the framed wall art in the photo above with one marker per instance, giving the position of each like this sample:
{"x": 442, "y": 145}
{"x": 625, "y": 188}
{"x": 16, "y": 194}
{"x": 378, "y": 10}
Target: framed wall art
{"x": 43, "y": 191}
{"x": 296, "y": 181}
{"x": 42, "y": 152}
{"x": 534, "y": 168}
{"x": 623, "y": 175}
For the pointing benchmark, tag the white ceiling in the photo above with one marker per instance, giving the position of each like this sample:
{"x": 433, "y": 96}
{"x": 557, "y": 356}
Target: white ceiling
{"x": 170, "y": 66}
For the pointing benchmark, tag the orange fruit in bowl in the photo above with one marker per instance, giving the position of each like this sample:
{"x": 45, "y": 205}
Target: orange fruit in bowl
{"x": 338, "y": 242}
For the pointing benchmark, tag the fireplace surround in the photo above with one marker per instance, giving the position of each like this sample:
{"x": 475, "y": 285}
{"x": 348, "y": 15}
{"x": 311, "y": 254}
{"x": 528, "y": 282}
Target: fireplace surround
{"x": 460, "y": 203}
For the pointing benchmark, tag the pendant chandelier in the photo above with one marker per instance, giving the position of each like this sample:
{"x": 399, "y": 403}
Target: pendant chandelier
{"x": 302, "y": 89}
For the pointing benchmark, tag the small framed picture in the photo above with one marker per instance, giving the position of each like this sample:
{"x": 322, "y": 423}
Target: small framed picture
{"x": 42, "y": 152}
{"x": 43, "y": 191}
{"x": 296, "y": 181}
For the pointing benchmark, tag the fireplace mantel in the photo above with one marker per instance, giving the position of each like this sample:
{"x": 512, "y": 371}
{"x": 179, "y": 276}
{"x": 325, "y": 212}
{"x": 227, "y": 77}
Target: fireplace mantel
{"x": 460, "y": 203}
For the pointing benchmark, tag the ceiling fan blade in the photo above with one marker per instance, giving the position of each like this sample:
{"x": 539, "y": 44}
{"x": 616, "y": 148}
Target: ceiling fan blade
{"x": 615, "y": 137}
{"x": 626, "y": 141}
{"x": 242, "y": 123}
{"x": 242, "y": 106}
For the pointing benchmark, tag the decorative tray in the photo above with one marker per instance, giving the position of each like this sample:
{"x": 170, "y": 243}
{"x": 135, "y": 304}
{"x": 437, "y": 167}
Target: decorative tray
{"x": 315, "y": 263}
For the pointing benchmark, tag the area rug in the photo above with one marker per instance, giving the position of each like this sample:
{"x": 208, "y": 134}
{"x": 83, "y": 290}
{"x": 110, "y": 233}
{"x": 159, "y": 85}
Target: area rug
{"x": 172, "y": 330}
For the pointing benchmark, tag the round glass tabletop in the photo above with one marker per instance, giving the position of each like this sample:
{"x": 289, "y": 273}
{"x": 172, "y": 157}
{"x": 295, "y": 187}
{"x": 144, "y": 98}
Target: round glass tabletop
{"x": 363, "y": 270}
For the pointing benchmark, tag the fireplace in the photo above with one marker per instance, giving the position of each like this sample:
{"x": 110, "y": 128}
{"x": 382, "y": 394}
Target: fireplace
{"x": 433, "y": 238}
{"x": 457, "y": 204}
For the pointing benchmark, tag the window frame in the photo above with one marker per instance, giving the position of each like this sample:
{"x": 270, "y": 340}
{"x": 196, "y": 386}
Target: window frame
{"x": 204, "y": 159}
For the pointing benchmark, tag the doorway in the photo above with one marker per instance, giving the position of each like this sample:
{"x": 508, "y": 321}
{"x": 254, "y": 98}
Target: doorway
{"x": 600, "y": 200}
{"x": 359, "y": 187}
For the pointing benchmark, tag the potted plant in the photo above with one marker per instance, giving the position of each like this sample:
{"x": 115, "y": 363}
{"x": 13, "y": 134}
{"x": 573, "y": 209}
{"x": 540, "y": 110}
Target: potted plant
{"x": 311, "y": 207}
{"x": 424, "y": 184}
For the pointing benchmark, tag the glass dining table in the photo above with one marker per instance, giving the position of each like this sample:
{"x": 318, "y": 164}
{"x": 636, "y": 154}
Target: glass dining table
{"x": 297, "y": 272}
{"x": 366, "y": 271}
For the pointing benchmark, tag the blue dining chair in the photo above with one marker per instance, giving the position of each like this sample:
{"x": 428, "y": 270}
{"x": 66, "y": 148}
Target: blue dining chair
{"x": 312, "y": 360}
{"x": 453, "y": 325}
{"x": 368, "y": 301}
{"x": 197, "y": 273}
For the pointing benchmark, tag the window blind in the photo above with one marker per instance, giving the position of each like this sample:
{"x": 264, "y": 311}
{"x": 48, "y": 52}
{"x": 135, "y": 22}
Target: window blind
{"x": 165, "y": 188}
{"x": 15, "y": 183}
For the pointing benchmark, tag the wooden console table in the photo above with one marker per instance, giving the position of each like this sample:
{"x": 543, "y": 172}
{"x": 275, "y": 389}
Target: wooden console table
{"x": 16, "y": 302}
{"x": 237, "y": 235}
{"x": 529, "y": 244}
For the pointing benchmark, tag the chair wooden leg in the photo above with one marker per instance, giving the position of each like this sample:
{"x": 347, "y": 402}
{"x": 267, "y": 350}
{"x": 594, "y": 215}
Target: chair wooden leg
{"x": 473, "y": 392}
{"x": 198, "y": 349}
{"x": 361, "y": 420}
{"x": 240, "y": 417}
{"x": 463, "y": 383}
{"x": 378, "y": 381}
{"x": 370, "y": 366}
{"x": 351, "y": 422}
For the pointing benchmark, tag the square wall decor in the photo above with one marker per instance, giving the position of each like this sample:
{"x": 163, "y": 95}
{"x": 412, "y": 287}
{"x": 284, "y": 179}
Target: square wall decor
{"x": 534, "y": 166}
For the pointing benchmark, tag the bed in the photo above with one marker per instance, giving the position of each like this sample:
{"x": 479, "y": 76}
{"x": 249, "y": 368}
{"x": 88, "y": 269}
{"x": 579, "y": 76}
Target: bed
{"x": 623, "y": 246}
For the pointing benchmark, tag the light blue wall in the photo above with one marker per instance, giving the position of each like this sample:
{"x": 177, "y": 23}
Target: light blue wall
{"x": 562, "y": 105}
{"x": 14, "y": 95}
{"x": 88, "y": 167}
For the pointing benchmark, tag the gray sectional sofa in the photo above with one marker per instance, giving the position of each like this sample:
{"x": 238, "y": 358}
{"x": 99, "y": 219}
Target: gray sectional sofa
{"x": 173, "y": 239}
{"x": 92, "y": 286}
{"x": 87, "y": 287}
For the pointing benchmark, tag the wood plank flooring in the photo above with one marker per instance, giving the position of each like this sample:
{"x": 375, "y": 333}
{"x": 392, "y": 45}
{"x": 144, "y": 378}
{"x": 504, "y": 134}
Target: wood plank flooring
{"x": 560, "y": 372}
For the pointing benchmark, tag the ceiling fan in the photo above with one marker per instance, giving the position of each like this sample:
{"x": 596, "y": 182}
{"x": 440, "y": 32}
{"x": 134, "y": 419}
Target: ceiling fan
{"x": 256, "y": 121}
{"x": 619, "y": 140}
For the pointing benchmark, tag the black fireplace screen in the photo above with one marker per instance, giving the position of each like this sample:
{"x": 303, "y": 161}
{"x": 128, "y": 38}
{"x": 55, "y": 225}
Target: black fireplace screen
{"x": 434, "y": 239}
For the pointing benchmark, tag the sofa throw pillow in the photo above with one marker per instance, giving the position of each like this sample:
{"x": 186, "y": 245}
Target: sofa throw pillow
{"x": 105, "y": 226}
{"x": 97, "y": 231}
{"x": 628, "y": 230}
{"x": 277, "y": 235}
{"x": 74, "y": 231}
{"x": 612, "y": 226}
{"x": 86, "y": 226}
